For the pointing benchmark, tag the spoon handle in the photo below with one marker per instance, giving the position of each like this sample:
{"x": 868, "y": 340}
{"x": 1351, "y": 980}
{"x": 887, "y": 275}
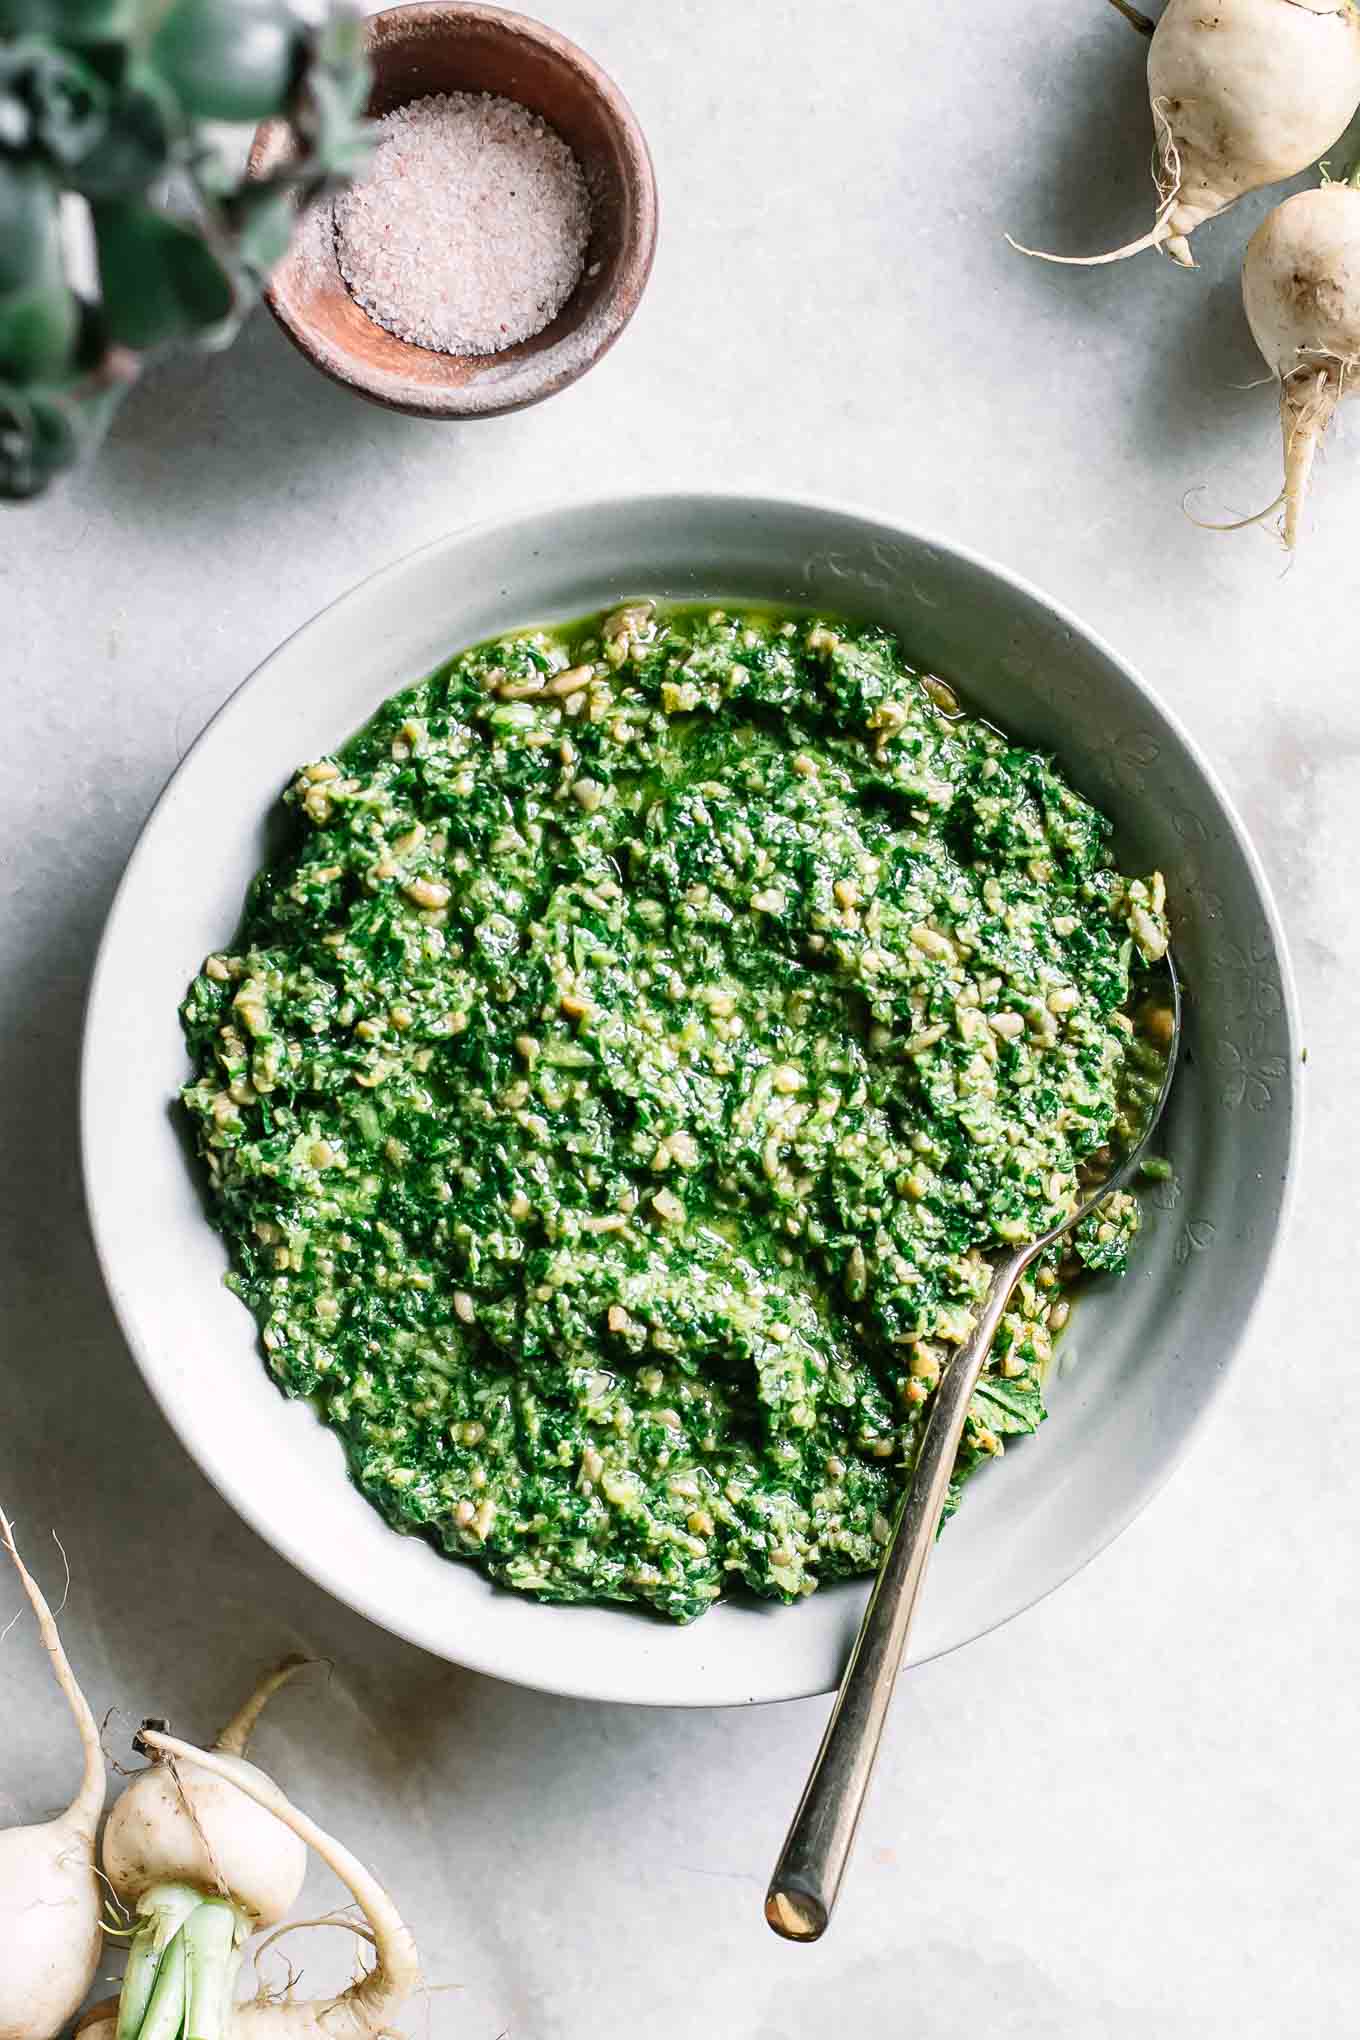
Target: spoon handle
{"x": 812, "y": 1861}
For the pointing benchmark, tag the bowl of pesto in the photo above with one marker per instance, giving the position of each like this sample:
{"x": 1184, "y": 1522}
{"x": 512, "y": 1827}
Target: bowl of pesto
{"x": 573, "y": 1035}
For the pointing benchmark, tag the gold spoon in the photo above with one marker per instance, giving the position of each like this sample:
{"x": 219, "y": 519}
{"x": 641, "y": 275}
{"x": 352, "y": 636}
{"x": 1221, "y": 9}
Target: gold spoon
{"x": 808, "y": 1874}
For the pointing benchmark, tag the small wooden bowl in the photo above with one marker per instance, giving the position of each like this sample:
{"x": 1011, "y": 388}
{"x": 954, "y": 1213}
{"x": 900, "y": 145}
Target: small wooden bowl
{"x": 426, "y": 48}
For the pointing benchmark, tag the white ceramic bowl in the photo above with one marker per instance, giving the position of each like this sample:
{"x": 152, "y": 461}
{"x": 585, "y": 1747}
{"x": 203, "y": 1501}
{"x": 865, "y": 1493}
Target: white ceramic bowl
{"x": 1149, "y": 1352}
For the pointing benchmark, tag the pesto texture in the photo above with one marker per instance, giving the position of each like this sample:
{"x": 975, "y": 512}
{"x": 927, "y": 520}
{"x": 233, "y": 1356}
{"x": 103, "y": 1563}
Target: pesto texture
{"x": 615, "y": 1093}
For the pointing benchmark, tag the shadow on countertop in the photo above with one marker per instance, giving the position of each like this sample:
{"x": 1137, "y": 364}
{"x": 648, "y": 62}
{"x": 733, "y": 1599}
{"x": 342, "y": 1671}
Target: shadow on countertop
{"x": 263, "y": 424}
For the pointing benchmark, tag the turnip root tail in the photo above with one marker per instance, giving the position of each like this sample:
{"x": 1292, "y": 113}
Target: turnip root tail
{"x": 82, "y": 1816}
{"x": 1158, "y": 236}
{"x": 1244, "y": 94}
{"x": 51, "y": 1927}
{"x": 1308, "y": 400}
{"x": 1175, "y": 221}
{"x": 1301, "y": 294}
{"x": 364, "y": 2009}
{"x": 236, "y": 1735}
{"x": 1233, "y": 523}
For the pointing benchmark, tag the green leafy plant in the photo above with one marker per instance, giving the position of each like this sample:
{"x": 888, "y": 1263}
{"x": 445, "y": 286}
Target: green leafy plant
{"x": 110, "y": 133}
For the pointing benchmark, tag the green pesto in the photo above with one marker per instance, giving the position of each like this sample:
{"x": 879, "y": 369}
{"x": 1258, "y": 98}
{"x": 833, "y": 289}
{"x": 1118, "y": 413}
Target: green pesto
{"x": 615, "y": 1092}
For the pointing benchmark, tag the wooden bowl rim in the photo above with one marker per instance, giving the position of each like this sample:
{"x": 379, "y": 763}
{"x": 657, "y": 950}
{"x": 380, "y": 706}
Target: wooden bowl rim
{"x": 497, "y": 383}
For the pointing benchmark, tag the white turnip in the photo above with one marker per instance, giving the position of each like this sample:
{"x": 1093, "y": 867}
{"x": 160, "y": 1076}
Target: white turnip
{"x": 362, "y": 2011}
{"x": 201, "y": 1866}
{"x": 1245, "y": 93}
{"x": 1301, "y": 289}
{"x": 208, "y": 1849}
{"x": 195, "y": 1831}
{"x": 50, "y": 1903}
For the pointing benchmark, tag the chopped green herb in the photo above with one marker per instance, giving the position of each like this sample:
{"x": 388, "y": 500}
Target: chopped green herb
{"x": 619, "y": 1087}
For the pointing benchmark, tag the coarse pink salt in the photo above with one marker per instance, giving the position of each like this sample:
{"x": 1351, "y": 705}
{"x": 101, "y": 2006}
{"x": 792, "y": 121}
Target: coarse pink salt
{"x": 470, "y": 230}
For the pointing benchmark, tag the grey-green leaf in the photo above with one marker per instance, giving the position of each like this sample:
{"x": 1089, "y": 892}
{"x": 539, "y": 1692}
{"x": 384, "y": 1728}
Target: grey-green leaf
{"x": 30, "y": 239}
{"x": 159, "y": 279}
{"x": 136, "y": 146}
{"x": 49, "y": 100}
{"x": 74, "y": 21}
{"x": 229, "y": 59}
{"x": 38, "y": 330}
{"x": 37, "y": 440}
{"x": 262, "y": 218}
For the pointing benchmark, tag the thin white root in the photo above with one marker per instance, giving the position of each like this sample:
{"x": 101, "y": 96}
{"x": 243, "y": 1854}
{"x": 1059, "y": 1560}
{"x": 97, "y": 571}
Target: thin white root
{"x": 1157, "y": 238}
{"x": 1237, "y": 523}
{"x": 236, "y": 1735}
{"x": 85, "y": 1809}
{"x": 1306, "y": 408}
{"x": 264, "y": 1994}
{"x": 1308, "y": 400}
{"x": 1164, "y": 234}
{"x": 395, "y": 1975}
{"x": 330, "y": 1919}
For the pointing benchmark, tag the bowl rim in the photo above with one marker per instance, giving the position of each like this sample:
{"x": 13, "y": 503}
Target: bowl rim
{"x": 464, "y": 402}
{"x": 470, "y": 1653}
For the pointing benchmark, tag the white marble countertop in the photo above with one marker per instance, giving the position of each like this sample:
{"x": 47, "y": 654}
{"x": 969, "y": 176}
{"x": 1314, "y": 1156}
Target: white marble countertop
{"x": 1133, "y": 1811}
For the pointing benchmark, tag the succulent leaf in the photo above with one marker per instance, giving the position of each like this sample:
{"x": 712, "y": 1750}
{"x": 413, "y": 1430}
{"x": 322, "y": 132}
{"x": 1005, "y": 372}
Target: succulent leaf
{"x": 30, "y": 238}
{"x": 340, "y": 138}
{"x": 44, "y": 429}
{"x": 49, "y": 101}
{"x": 37, "y": 440}
{"x": 108, "y": 99}
{"x": 38, "y": 328}
{"x": 138, "y": 143}
{"x": 159, "y": 278}
{"x": 228, "y": 59}
{"x": 73, "y": 21}
{"x": 262, "y": 217}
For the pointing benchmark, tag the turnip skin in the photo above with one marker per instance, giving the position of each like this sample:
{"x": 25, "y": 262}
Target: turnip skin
{"x": 50, "y": 1901}
{"x": 1253, "y": 92}
{"x": 50, "y": 1932}
{"x": 219, "y": 1842}
{"x": 1301, "y": 291}
{"x": 194, "y": 1829}
{"x": 1245, "y": 93}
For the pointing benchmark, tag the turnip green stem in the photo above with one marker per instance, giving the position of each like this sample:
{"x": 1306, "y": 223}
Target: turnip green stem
{"x": 181, "y": 1968}
{"x": 163, "y": 1912}
{"x": 212, "y": 1940}
{"x": 369, "y": 2002}
{"x": 165, "y": 2012}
